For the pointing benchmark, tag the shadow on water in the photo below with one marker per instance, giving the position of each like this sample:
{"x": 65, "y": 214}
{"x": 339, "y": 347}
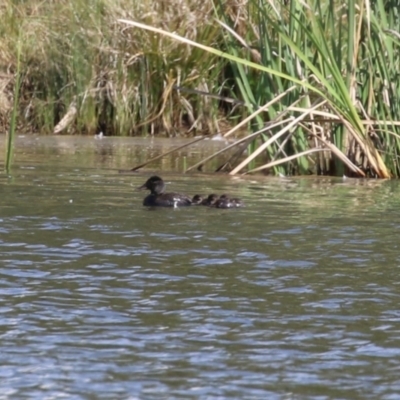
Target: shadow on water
{"x": 294, "y": 296}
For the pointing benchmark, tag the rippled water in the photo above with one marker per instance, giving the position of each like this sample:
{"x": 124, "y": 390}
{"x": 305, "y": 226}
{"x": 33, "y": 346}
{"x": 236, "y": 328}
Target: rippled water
{"x": 295, "y": 296}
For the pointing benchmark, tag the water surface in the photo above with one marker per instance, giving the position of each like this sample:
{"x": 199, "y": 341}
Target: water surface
{"x": 293, "y": 297}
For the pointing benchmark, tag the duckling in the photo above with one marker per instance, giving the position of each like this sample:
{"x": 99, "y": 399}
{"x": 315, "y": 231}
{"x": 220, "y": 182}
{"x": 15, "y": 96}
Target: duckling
{"x": 210, "y": 200}
{"x": 197, "y": 199}
{"x": 225, "y": 202}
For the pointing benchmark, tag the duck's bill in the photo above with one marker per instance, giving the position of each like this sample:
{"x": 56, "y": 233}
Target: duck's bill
{"x": 141, "y": 187}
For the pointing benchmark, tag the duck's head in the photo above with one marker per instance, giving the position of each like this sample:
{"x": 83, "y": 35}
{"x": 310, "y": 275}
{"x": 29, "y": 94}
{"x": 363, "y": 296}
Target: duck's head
{"x": 155, "y": 184}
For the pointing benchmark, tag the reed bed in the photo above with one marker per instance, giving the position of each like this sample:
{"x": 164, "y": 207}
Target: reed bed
{"x": 84, "y": 72}
{"x": 316, "y": 83}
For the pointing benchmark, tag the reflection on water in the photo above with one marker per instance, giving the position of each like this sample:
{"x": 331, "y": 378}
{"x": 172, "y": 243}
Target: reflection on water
{"x": 116, "y": 152}
{"x": 293, "y": 297}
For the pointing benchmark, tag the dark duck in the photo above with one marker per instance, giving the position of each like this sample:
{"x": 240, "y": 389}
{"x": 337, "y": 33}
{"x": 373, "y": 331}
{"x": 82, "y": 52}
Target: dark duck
{"x": 157, "y": 197}
{"x": 216, "y": 201}
{"x": 197, "y": 200}
{"x": 205, "y": 201}
{"x": 226, "y": 202}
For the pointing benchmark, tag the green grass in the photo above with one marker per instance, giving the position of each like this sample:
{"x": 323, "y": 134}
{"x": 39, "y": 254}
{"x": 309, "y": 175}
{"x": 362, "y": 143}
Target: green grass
{"x": 14, "y": 113}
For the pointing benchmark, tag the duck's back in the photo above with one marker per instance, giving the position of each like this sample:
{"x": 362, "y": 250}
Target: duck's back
{"x": 167, "y": 200}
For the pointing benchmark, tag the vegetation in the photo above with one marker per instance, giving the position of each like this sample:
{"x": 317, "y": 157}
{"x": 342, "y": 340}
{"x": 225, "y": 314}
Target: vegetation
{"x": 13, "y": 122}
{"x": 316, "y": 84}
{"x": 78, "y": 60}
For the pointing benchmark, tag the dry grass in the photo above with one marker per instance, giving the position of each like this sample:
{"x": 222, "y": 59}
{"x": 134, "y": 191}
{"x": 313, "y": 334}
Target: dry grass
{"x": 122, "y": 80}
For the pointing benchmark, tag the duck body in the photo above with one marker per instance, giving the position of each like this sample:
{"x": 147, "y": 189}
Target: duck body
{"x": 167, "y": 200}
{"x": 210, "y": 200}
{"x": 213, "y": 200}
{"x": 197, "y": 200}
{"x": 226, "y": 202}
{"x": 157, "y": 197}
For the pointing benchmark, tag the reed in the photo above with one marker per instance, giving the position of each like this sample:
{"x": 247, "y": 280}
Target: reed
{"x": 333, "y": 54}
{"x": 319, "y": 42}
{"x": 14, "y": 113}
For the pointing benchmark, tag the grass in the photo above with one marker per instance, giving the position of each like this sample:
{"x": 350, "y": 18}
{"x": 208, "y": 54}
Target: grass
{"x": 328, "y": 69}
{"x": 75, "y": 54}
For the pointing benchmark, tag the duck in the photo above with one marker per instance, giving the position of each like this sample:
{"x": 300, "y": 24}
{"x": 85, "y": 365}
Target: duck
{"x": 205, "y": 201}
{"x": 226, "y": 202}
{"x": 197, "y": 199}
{"x": 213, "y": 200}
{"x": 210, "y": 200}
{"x": 157, "y": 197}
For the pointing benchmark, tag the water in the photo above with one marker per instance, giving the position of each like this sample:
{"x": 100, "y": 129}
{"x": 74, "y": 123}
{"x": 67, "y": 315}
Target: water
{"x": 293, "y": 297}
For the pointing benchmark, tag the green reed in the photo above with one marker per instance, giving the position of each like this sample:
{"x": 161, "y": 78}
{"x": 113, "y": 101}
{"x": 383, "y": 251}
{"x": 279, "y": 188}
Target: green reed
{"x": 14, "y": 112}
{"x": 347, "y": 106}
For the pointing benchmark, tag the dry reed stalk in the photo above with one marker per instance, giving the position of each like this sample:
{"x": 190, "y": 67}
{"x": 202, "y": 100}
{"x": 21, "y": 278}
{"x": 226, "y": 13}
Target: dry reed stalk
{"x": 275, "y": 137}
{"x": 251, "y": 136}
{"x": 68, "y": 118}
{"x": 284, "y": 160}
